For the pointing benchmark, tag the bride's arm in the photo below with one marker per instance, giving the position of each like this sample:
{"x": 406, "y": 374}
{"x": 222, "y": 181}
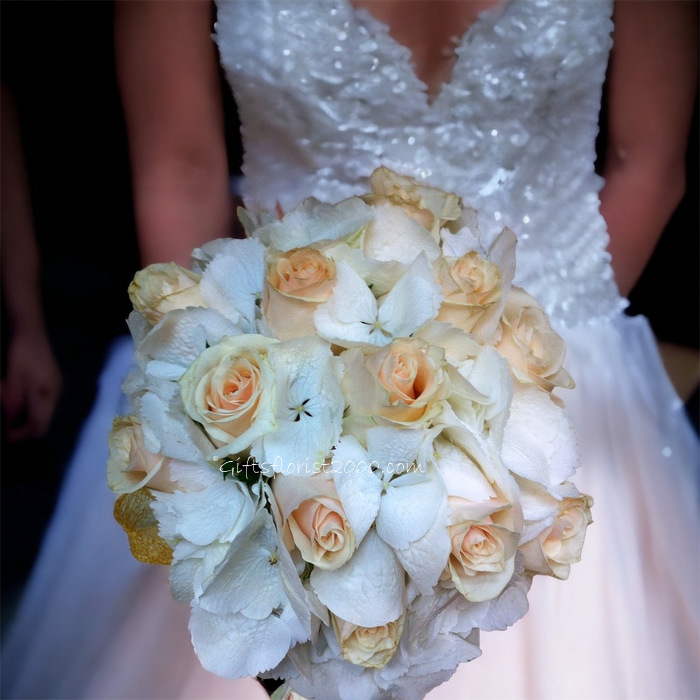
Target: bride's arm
{"x": 652, "y": 87}
{"x": 167, "y": 67}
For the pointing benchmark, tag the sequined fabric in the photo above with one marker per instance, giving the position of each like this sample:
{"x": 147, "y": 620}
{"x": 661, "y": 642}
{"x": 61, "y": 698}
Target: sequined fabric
{"x": 326, "y": 95}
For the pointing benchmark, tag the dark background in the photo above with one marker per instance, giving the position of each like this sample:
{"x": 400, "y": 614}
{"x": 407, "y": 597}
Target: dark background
{"x": 57, "y": 57}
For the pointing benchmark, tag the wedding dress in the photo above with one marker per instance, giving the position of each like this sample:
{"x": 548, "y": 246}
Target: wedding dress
{"x": 325, "y": 95}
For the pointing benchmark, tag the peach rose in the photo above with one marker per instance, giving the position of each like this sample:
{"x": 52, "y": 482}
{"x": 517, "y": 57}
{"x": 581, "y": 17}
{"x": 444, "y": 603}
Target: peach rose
{"x": 371, "y": 647}
{"x": 401, "y": 381}
{"x": 130, "y": 465}
{"x": 304, "y": 273}
{"x": 321, "y": 532}
{"x": 431, "y": 207}
{"x": 473, "y": 290}
{"x": 229, "y": 391}
{"x": 314, "y": 518}
{"x": 298, "y": 281}
{"x": 559, "y": 546}
{"x": 533, "y": 349}
{"x": 163, "y": 287}
{"x": 482, "y": 560}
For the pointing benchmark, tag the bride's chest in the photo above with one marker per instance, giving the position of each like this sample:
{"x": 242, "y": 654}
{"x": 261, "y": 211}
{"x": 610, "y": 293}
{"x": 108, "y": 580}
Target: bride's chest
{"x": 431, "y": 31}
{"x": 344, "y": 61}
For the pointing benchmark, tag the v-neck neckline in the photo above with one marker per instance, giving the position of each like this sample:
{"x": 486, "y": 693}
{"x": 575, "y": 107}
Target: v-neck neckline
{"x": 433, "y": 95}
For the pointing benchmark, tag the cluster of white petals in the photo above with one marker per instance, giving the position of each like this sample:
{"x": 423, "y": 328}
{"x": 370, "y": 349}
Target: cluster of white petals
{"x": 347, "y": 427}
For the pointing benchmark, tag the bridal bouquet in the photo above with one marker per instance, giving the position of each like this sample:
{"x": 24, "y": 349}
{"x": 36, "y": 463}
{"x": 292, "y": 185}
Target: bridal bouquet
{"x": 345, "y": 442}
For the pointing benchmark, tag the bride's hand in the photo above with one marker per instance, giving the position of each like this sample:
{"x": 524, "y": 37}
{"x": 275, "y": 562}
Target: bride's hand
{"x": 31, "y": 386}
{"x": 32, "y": 380}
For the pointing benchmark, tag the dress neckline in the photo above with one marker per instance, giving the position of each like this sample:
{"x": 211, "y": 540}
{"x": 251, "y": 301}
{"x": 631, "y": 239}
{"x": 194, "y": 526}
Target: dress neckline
{"x": 432, "y": 96}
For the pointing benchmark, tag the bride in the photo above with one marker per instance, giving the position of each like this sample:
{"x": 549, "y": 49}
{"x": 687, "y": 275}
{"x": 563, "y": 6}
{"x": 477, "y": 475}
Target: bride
{"x": 497, "y": 101}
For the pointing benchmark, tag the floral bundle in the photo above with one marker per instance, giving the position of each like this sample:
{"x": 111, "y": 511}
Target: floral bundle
{"x": 345, "y": 442}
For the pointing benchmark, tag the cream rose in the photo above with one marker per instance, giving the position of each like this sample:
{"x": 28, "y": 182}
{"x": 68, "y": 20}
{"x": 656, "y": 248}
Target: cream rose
{"x": 533, "y": 349}
{"x": 559, "y": 546}
{"x": 431, "y": 207}
{"x": 321, "y": 532}
{"x": 402, "y": 381}
{"x": 229, "y": 390}
{"x": 482, "y": 560}
{"x": 298, "y": 281}
{"x": 130, "y": 465}
{"x": 163, "y": 287}
{"x": 313, "y": 519}
{"x": 473, "y": 291}
{"x": 371, "y": 647}
{"x": 407, "y": 218}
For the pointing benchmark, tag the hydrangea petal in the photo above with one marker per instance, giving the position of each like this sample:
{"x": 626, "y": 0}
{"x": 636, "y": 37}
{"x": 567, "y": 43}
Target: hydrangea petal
{"x": 310, "y": 405}
{"x": 380, "y": 276}
{"x": 359, "y": 489}
{"x": 313, "y": 221}
{"x": 394, "y": 235}
{"x": 233, "y": 282}
{"x": 508, "y": 607}
{"x": 368, "y": 590}
{"x": 182, "y": 335}
{"x": 502, "y": 253}
{"x": 425, "y": 559}
{"x": 468, "y": 238}
{"x": 170, "y": 433}
{"x": 202, "y": 256}
{"x": 217, "y": 513}
{"x": 252, "y": 557}
{"x": 539, "y": 441}
{"x": 350, "y": 313}
{"x": 390, "y": 447}
{"x": 233, "y": 646}
{"x": 409, "y": 507}
{"x": 413, "y": 301}
{"x": 462, "y": 477}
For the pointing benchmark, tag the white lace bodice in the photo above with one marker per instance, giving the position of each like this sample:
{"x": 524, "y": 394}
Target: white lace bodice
{"x": 325, "y": 95}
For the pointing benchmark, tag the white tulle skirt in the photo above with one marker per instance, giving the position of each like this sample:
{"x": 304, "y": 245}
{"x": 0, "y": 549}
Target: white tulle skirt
{"x": 95, "y": 623}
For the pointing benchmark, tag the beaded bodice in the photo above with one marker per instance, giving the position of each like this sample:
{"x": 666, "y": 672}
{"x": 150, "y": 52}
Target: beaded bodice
{"x": 325, "y": 95}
